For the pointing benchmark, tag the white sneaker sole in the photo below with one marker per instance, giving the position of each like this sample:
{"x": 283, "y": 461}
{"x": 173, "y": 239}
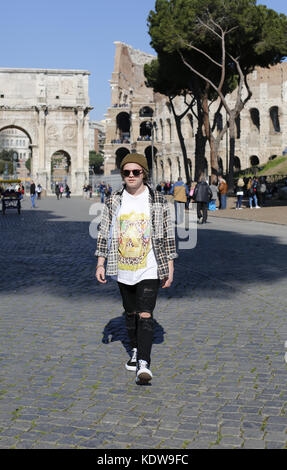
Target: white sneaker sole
{"x": 132, "y": 368}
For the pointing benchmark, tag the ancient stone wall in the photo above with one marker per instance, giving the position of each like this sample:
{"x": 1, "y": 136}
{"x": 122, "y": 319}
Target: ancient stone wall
{"x": 51, "y": 107}
{"x": 260, "y": 131}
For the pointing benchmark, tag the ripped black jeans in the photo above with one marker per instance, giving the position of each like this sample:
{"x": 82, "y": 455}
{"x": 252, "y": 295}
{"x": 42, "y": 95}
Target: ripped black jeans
{"x": 137, "y": 299}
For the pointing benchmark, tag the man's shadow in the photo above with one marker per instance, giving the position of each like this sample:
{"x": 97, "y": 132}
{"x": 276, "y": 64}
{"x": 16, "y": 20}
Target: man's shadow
{"x": 115, "y": 330}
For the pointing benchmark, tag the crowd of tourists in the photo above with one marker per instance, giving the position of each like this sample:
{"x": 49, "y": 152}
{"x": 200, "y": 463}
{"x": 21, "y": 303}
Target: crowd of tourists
{"x": 60, "y": 189}
{"x": 213, "y": 196}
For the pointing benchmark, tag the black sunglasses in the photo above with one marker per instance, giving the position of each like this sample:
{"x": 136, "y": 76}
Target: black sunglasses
{"x": 134, "y": 172}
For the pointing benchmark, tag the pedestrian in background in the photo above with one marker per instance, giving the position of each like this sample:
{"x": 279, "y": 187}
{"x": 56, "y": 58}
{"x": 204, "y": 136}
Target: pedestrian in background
{"x": 102, "y": 190}
{"x": 57, "y": 191}
{"x": 180, "y": 193}
{"x": 68, "y": 192}
{"x": 214, "y": 190}
{"x": 33, "y": 193}
{"x": 239, "y": 193}
{"x": 202, "y": 196}
{"x": 252, "y": 186}
{"x": 222, "y": 190}
{"x": 261, "y": 192}
{"x": 39, "y": 191}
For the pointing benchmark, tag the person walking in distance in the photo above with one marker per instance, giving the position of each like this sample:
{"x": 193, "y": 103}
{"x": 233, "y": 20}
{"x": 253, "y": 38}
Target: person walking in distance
{"x": 33, "y": 193}
{"x": 180, "y": 192}
{"x": 137, "y": 241}
{"x": 202, "y": 195}
{"x": 222, "y": 189}
{"x": 239, "y": 193}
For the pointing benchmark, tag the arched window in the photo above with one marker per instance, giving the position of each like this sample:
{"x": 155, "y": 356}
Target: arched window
{"x": 255, "y": 118}
{"x": 238, "y": 127}
{"x": 169, "y": 129}
{"x": 148, "y": 153}
{"x": 123, "y": 127}
{"x": 178, "y": 166}
{"x": 220, "y": 166}
{"x": 190, "y": 120}
{"x": 120, "y": 155}
{"x": 169, "y": 169}
{"x": 274, "y": 117}
{"x": 161, "y": 130}
{"x": 145, "y": 129}
{"x": 218, "y": 121}
{"x": 236, "y": 164}
{"x": 146, "y": 111}
{"x": 254, "y": 160}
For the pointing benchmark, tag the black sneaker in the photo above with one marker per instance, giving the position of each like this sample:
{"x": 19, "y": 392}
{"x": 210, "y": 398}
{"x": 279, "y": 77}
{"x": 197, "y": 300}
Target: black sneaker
{"x": 144, "y": 374}
{"x": 132, "y": 363}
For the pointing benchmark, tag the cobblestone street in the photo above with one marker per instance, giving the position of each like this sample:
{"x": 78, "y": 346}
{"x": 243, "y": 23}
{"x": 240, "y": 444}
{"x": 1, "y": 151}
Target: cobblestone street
{"x": 218, "y": 354}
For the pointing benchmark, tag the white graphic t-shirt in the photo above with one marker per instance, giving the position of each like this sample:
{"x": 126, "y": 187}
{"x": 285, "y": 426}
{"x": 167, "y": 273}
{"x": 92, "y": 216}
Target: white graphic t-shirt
{"x": 136, "y": 259}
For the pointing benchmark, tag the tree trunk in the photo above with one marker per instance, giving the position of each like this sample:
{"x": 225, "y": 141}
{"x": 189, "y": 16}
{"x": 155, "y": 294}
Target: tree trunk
{"x": 183, "y": 148}
{"x": 230, "y": 179}
{"x": 200, "y": 143}
{"x": 210, "y": 138}
{"x": 182, "y": 143}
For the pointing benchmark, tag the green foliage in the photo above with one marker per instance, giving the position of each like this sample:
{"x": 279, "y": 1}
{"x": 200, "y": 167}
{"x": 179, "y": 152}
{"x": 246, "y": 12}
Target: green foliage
{"x": 195, "y": 31}
{"x": 6, "y": 155}
{"x": 258, "y": 37}
{"x": 3, "y": 166}
{"x": 28, "y": 164}
{"x": 96, "y": 160}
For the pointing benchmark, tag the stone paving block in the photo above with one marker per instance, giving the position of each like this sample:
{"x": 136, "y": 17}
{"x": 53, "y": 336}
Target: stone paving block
{"x": 254, "y": 444}
{"x": 275, "y": 444}
{"x": 232, "y": 441}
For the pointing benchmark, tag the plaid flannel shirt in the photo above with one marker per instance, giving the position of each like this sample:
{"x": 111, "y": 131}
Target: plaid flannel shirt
{"x": 162, "y": 233}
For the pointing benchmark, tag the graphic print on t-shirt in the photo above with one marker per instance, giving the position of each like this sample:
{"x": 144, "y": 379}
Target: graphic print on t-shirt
{"x": 134, "y": 241}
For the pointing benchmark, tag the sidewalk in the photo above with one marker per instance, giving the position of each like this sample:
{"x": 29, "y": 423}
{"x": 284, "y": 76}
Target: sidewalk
{"x": 272, "y": 214}
{"x": 219, "y": 374}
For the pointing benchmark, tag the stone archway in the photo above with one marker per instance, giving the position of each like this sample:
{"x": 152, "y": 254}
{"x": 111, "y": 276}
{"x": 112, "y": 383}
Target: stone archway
{"x": 145, "y": 131}
{"x": 146, "y": 112}
{"x": 237, "y": 164}
{"x": 149, "y": 152}
{"x": 123, "y": 127}
{"x": 51, "y": 107}
{"x": 254, "y": 160}
{"x": 120, "y": 155}
{"x": 60, "y": 168}
{"x": 17, "y": 140}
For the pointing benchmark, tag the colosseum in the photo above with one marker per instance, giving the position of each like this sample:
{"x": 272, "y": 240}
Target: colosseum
{"x": 142, "y": 121}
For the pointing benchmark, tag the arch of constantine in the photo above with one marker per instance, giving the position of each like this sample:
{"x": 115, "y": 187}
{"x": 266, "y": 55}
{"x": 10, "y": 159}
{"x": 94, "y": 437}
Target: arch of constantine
{"x": 51, "y": 107}
{"x": 142, "y": 121}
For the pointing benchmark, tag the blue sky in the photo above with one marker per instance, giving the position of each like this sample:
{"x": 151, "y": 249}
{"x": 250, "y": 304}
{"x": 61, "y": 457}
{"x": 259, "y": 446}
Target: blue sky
{"x": 78, "y": 34}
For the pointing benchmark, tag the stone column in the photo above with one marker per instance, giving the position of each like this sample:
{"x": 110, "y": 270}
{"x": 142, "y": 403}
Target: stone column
{"x": 79, "y": 169}
{"x": 40, "y": 171}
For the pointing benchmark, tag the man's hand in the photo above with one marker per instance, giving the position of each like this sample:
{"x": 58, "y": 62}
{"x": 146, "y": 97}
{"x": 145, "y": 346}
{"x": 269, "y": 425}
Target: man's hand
{"x": 101, "y": 275}
{"x": 166, "y": 282}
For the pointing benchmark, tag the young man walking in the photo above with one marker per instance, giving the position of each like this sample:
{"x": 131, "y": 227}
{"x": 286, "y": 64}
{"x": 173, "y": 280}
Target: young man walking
{"x": 136, "y": 239}
{"x": 202, "y": 195}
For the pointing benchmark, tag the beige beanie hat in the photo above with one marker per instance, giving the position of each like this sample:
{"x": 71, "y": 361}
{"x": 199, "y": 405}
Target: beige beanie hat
{"x": 135, "y": 158}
